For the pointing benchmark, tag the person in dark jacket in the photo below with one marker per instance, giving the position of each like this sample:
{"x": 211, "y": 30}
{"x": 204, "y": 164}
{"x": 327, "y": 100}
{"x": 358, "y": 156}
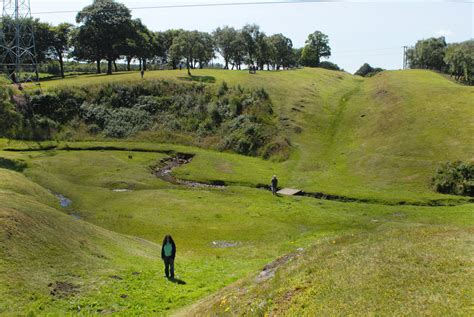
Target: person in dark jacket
{"x": 274, "y": 185}
{"x": 168, "y": 253}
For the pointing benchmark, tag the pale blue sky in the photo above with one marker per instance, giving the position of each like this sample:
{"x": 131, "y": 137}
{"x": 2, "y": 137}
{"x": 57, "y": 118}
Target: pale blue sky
{"x": 359, "y": 32}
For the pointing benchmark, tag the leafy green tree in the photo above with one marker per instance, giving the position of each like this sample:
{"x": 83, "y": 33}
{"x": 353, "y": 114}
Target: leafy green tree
{"x": 265, "y": 51}
{"x": 283, "y": 51}
{"x": 296, "y": 56}
{"x": 250, "y": 36}
{"x": 60, "y": 43}
{"x": 428, "y": 54}
{"x": 317, "y": 47}
{"x": 44, "y": 38}
{"x": 205, "y": 49}
{"x": 105, "y": 25}
{"x": 459, "y": 58}
{"x": 84, "y": 50}
{"x": 238, "y": 51}
{"x": 141, "y": 43}
{"x": 166, "y": 40}
{"x": 185, "y": 46}
{"x": 224, "y": 39}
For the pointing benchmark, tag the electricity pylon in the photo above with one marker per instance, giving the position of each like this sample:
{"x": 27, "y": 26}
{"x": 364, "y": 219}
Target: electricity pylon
{"x": 17, "y": 42}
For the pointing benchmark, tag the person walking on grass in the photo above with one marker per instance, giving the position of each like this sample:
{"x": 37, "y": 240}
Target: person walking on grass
{"x": 274, "y": 185}
{"x": 142, "y": 73}
{"x": 168, "y": 253}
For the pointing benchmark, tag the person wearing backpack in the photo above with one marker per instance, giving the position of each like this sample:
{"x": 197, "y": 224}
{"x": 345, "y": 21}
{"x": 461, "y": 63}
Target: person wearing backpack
{"x": 168, "y": 253}
{"x": 274, "y": 185}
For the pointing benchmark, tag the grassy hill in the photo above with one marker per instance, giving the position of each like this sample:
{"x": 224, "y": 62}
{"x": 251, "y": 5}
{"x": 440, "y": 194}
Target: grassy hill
{"x": 390, "y": 271}
{"x": 377, "y": 140}
{"x": 373, "y": 138}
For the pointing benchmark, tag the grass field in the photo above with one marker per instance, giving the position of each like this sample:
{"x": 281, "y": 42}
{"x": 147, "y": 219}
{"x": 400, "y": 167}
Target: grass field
{"x": 378, "y": 139}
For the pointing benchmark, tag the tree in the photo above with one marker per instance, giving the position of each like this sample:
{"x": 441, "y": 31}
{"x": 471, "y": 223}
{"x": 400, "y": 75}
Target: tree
{"x": 283, "y": 51}
{"x": 459, "y": 58}
{"x": 106, "y": 24}
{"x": 238, "y": 50}
{"x": 60, "y": 42}
{"x": 185, "y": 46}
{"x": 166, "y": 39}
{"x": 250, "y": 34}
{"x": 317, "y": 47}
{"x": 205, "y": 49}
{"x": 44, "y": 38}
{"x": 141, "y": 43}
{"x": 224, "y": 39}
{"x": 265, "y": 50}
{"x": 428, "y": 54}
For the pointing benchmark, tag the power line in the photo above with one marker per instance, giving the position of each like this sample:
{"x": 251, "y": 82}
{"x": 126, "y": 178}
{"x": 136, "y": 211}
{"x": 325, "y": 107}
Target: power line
{"x": 230, "y": 4}
{"x": 204, "y": 5}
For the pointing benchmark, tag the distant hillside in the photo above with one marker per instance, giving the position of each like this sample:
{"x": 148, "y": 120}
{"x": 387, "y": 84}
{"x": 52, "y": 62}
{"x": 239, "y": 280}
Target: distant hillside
{"x": 382, "y": 136}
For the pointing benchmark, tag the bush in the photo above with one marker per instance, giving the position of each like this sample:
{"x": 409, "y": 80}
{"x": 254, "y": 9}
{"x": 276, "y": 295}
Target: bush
{"x": 244, "y": 135}
{"x": 10, "y": 120}
{"x": 242, "y": 119}
{"x": 329, "y": 65}
{"x": 456, "y": 178}
{"x": 124, "y": 122}
{"x": 367, "y": 71}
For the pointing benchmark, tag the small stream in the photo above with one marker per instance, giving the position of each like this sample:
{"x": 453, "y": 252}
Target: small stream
{"x": 166, "y": 166}
{"x": 63, "y": 201}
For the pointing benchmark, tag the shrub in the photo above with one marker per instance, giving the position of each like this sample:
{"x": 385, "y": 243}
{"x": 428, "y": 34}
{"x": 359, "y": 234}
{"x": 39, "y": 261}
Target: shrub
{"x": 329, "y": 65}
{"x": 124, "y": 122}
{"x": 10, "y": 120}
{"x": 367, "y": 71}
{"x": 455, "y": 178}
{"x": 243, "y": 135}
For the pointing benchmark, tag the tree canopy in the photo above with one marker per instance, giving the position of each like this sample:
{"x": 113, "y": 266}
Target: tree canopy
{"x": 317, "y": 47}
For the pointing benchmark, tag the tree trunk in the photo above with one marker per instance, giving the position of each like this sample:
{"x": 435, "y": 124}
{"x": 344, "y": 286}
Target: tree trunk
{"x": 61, "y": 64}
{"x": 129, "y": 62}
{"x": 115, "y": 66}
{"x": 188, "y": 66}
{"x": 144, "y": 64}
{"x": 109, "y": 67}
{"x": 98, "y": 67}
{"x": 226, "y": 64}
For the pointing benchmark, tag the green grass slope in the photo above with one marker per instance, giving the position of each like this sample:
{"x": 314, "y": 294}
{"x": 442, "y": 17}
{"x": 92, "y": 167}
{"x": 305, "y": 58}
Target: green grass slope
{"x": 258, "y": 226}
{"x": 398, "y": 269}
{"x": 52, "y": 262}
{"x": 378, "y": 138}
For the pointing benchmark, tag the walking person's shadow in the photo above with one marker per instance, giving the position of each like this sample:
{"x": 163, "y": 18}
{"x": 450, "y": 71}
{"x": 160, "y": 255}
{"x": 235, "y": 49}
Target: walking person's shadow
{"x": 176, "y": 280}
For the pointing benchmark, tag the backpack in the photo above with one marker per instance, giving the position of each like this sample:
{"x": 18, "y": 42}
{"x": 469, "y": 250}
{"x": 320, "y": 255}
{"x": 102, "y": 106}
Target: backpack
{"x": 168, "y": 248}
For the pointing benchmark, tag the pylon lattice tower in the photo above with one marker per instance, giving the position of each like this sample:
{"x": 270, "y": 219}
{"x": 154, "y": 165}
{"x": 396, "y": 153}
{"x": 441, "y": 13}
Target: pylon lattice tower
{"x": 17, "y": 42}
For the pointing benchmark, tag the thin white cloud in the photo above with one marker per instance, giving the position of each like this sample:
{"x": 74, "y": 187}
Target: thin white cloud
{"x": 444, "y": 32}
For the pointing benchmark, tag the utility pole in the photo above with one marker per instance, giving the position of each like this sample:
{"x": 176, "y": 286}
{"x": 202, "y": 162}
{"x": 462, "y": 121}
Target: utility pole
{"x": 405, "y": 57}
{"x": 17, "y": 42}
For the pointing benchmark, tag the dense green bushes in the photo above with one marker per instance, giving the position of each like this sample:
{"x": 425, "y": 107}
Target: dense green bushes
{"x": 367, "y": 71}
{"x": 223, "y": 117}
{"x": 455, "y": 178}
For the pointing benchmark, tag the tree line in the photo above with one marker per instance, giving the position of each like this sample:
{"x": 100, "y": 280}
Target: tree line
{"x": 106, "y": 31}
{"x": 455, "y": 59}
